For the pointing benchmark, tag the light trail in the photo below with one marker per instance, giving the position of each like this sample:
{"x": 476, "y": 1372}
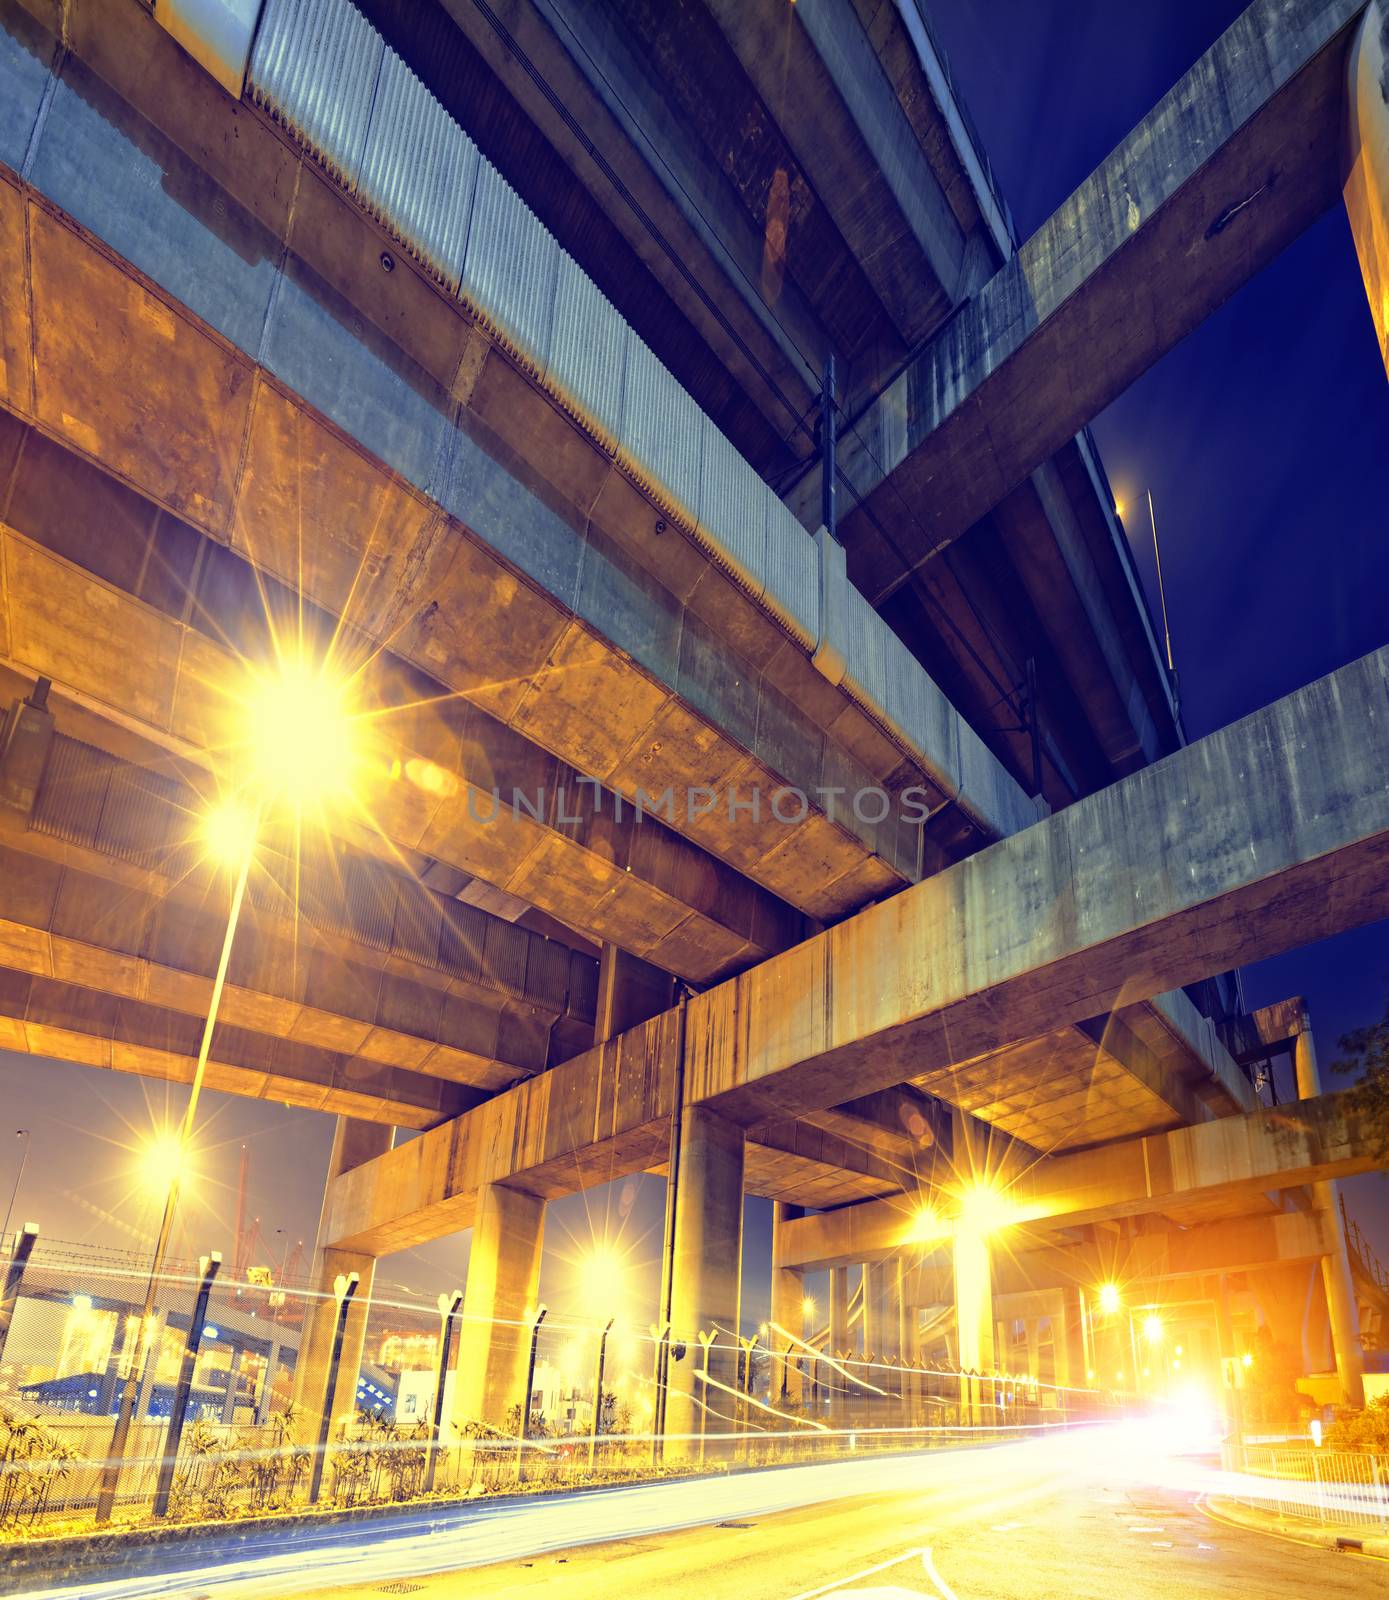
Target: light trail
{"x": 372, "y": 1552}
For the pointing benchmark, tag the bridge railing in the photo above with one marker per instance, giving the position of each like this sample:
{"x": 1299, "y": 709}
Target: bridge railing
{"x": 1311, "y": 1484}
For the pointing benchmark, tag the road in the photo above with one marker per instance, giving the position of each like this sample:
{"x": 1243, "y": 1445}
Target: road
{"x": 1090, "y": 1543}
{"x": 1109, "y": 1513}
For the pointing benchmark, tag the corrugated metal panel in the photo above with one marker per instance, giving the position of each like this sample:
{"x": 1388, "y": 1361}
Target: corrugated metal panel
{"x": 73, "y": 793}
{"x": 419, "y": 171}
{"x": 588, "y": 351}
{"x": 370, "y": 901}
{"x": 865, "y": 666}
{"x": 732, "y": 510}
{"x": 504, "y": 957}
{"x": 662, "y": 432}
{"x": 547, "y": 973}
{"x": 141, "y": 820}
{"x": 314, "y": 68}
{"x": 510, "y": 267}
{"x": 418, "y": 920}
{"x": 791, "y": 574}
{"x": 460, "y": 944}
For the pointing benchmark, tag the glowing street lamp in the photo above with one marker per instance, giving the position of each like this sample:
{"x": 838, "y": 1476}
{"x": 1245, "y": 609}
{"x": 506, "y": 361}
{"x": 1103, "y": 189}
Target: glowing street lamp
{"x": 1153, "y": 1329}
{"x": 1110, "y": 1298}
{"x": 299, "y": 749}
{"x": 808, "y": 1307}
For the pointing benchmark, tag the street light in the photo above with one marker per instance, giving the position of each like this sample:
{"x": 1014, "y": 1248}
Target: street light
{"x": 808, "y": 1307}
{"x": 299, "y": 747}
{"x": 1152, "y": 1329}
{"x": 1110, "y": 1298}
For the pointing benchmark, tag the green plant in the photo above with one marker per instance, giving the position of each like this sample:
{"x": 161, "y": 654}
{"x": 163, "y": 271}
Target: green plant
{"x": 32, "y": 1460}
{"x": 1366, "y": 1430}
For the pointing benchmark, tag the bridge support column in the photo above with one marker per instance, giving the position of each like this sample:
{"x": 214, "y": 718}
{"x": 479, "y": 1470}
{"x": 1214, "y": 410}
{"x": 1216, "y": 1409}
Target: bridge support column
{"x": 500, "y": 1301}
{"x": 706, "y": 1276}
{"x": 788, "y": 1299}
{"x": 838, "y": 1340}
{"x": 974, "y": 1316}
{"x": 353, "y": 1143}
{"x": 1367, "y": 179}
{"x": 1335, "y": 1268}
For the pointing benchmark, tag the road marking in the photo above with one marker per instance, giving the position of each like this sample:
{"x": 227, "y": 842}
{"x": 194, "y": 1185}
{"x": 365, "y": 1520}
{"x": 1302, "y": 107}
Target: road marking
{"x": 947, "y": 1593}
{"x": 1145, "y": 1527}
{"x": 868, "y": 1572}
{"x": 1005, "y": 1527}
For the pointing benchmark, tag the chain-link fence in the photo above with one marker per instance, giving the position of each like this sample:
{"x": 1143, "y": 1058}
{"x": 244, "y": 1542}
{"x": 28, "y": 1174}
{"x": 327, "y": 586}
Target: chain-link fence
{"x": 1343, "y": 1487}
{"x": 225, "y": 1383}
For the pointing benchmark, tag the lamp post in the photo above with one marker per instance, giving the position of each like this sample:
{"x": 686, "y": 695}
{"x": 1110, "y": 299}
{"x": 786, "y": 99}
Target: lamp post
{"x": 343, "y": 1289}
{"x": 19, "y": 1133}
{"x": 540, "y": 1316}
{"x": 111, "y": 1469}
{"x": 448, "y": 1310}
{"x": 598, "y": 1393}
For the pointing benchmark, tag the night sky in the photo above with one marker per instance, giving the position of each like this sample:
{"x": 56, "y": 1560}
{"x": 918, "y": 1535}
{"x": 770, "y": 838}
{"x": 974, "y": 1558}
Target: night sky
{"x": 1264, "y": 439}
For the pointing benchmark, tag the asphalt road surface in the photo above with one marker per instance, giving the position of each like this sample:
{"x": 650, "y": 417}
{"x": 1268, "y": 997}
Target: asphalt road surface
{"x": 1090, "y": 1544}
{"x": 1108, "y": 1513}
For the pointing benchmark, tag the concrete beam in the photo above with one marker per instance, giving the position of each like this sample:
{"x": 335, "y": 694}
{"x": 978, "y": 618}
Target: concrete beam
{"x": 1231, "y": 165}
{"x": 605, "y": 601}
{"x": 1270, "y": 833}
{"x": 566, "y": 847}
{"x": 816, "y": 69}
{"x": 1281, "y": 1147}
{"x": 1236, "y": 1244}
{"x": 50, "y": 1019}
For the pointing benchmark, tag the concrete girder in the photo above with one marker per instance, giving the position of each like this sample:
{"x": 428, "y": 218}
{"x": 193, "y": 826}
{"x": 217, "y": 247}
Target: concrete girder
{"x": 1367, "y": 166}
{"x": 834, "y": 107}
{"x": 1229, "y": 1160}
{"x": 1235, "y": 1244}
{"x": 1270, "y": 833}
{"x": 1241, "y": 155}
{"x": 53, "y": 1019}
{"x": 210, "y": 442}
{"x": 633, "y": 145}
{"x": 578, "y": 859}
{"x": 112, "y": 935}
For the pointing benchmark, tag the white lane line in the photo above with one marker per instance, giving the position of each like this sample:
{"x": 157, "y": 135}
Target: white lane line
{"x": 867, "y": 1572}
{"x": 947, "y": 1593}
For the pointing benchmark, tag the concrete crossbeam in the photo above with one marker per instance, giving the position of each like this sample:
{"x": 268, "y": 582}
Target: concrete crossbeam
{"x": 571, "y": 853}
{"x": 1281, "y": 1147}
{"x": 1270, "y": 833}
{"x": 53, "y": 1020}
{"x": 1236, "y": 1244}
{"x": 1231, "y": 165}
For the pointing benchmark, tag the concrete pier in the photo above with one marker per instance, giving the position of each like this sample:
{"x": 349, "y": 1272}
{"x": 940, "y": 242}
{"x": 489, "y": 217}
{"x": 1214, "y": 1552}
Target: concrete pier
{"x": 500, "y": 1303}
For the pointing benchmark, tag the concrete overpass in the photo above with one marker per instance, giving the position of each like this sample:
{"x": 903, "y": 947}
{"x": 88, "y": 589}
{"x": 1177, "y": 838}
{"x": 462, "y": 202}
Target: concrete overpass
{"x": 298, "y": 383}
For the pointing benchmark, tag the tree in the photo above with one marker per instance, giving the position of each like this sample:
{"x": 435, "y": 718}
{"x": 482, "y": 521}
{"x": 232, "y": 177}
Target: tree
{"x": 1365, "y": 1056}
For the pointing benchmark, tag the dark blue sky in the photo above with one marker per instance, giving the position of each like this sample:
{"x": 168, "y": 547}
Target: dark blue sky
{"x": 1265, "y": 441}
{"x": 1264, "y": 437}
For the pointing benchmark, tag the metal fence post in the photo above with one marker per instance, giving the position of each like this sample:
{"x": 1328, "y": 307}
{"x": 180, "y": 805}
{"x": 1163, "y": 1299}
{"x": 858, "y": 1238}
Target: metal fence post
{"x": 598, "y": 1394}
{"x": 25, "y": 1240}
{"x": 208, "y": 1267}
{"x": 344, "y": 1288}
{"x": 448, "y": 1310}
{"x": 540, "y": 1316}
